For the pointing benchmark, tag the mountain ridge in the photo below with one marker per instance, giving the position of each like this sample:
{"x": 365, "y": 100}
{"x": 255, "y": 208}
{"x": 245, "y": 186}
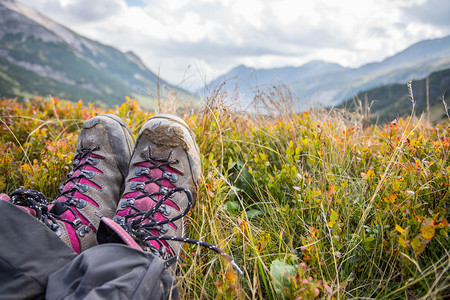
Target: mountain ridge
{"x": 40, "y": 56}
{"x": 334, "y": 83}
{"x": 388, "y": 102}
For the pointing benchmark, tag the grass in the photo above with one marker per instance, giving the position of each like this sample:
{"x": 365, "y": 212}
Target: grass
{"x": 313, "y": 205}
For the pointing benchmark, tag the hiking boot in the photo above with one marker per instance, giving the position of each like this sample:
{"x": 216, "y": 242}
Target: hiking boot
{"x": 93, "y": 187}
{"x": 160, "y": 189}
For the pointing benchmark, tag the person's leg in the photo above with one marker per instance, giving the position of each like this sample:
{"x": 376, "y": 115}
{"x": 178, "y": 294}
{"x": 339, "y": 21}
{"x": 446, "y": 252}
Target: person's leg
{"x": 37, "y": 239}
{"x": 112, "y": 271}
{"x": 93, "y": 187}
{"x": 143, "y": 240}
{"x": 159, "y": 191}
{"x": 29, "y": 253}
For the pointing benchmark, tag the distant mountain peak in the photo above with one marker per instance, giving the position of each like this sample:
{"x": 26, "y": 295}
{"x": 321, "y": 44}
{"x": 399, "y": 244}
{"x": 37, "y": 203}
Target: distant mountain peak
{"x": 321, "y": 63}
{"x": 316, "y": 62}
{"x": 241, "y": 67}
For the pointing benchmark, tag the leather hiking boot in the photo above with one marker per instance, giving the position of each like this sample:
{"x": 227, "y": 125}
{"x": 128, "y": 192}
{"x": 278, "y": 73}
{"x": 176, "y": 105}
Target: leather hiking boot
{"x": 93, "y": 187}
{"x": 160, "y": 189}
{"x": 161, "y": 186}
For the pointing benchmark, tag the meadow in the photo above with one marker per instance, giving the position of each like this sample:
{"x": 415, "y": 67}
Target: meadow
{"x": 314, "y": 205}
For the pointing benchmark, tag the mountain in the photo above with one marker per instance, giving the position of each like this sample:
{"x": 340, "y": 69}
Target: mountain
{"x": 392, "y": 101}
{"x": 246, "y": 81}
{"x": 330, "y": 84}
{"x": 41, "y": 57}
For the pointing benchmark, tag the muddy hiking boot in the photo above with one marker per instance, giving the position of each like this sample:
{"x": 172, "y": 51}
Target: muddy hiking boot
{"x": 160, "y": 189}
{"x": 161, "y": 186}
{"x": 93, "y": 187}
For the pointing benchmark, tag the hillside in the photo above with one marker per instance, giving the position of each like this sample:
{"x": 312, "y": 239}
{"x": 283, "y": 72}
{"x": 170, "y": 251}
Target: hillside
{"x": 393, "y": 101}
{"x": 326, "y": 84}
{"x": 41, "y": 57}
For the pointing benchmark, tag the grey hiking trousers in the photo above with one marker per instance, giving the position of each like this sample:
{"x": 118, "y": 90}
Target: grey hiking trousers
{"x": 36, "y": 264}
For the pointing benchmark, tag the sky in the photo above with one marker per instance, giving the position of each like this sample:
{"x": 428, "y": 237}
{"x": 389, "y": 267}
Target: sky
{"x": 191, "y": 42}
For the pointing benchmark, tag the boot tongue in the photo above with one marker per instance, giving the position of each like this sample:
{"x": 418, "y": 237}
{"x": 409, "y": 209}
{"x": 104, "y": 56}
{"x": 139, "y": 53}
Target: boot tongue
{"x": 155, "y": 152}
{"x": 161, "y": 154}
{"x": 59, "y": 208}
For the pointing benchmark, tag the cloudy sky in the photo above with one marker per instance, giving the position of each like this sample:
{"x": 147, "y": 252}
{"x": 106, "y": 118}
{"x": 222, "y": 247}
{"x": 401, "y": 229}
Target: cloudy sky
{"x": 192, "y": 41}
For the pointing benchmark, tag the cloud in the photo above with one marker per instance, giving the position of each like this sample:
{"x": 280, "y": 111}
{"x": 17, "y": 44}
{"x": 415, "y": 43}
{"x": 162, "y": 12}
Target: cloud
{"x": 86, "y": 10}
{"x": 433, "y": 12}
{"x": 170, "y": 35}
{"x": 70, "y": 12}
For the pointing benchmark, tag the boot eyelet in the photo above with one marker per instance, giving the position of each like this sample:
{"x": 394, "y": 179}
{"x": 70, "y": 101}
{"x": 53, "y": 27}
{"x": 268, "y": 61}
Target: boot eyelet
{"x": 81, "y": 203}
{"x": 83, "y": 230}
{"x": 167, "y": 211}
{"x": 165, "y": 191}
{"x": 137, "y": 185}
{"x": 127, "y": 202}
{"x": 142, "y": 171}
{"x": 88, "y": 174}
{"x": 54, "y": 227}
{"x": 76, "y": 223}
{"x": 163, "y": 228}
{"x": 73, "y": 201}
{"x": 92, "y": 161}
{"x": 174, "y": 178}
{"x": 76, "y": 162}
{"x": 170, "y": 176}
{"x": 82, "y": 188}
{"x": 119, "y": 220}
{"x": 164, "y": 210}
